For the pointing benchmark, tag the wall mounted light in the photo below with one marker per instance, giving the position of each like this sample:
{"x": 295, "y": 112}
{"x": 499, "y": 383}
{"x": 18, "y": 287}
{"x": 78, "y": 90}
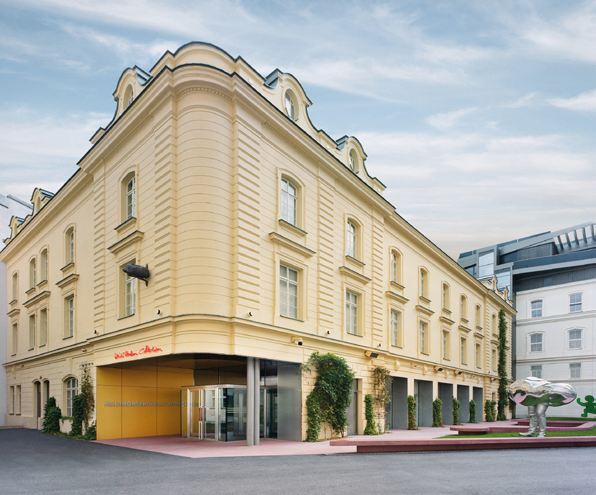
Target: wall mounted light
{"x": 297, "y": 340}
{"x": 438, "y": 368}
{"x": 371, "y": 354}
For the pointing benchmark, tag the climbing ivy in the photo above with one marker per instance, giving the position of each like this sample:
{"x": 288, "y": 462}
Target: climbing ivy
{"x": 455, "y": 411}
{"x": 412, "y": 413}
{"x": 329, "y": 400}
{"x": 52, "y": 415}
{"x": 370, "y": 415}
{"x": 490, "y": 410}
{"x": 88, "y": 403}
{"x": 502, "y": 368}
{"x": 472, "y": 412}
{"x": 381, "y": 381}
{"x": 437, "y": 413}
{"x": 78, "y": 415}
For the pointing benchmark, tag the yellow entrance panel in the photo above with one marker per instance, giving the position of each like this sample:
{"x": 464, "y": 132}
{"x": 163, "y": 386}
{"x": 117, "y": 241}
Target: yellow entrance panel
{"x": 139, "y": 411}
{"x": 109, "y": 393}
{"x": 168, "y": 415}
{"x": 145, "y": 377}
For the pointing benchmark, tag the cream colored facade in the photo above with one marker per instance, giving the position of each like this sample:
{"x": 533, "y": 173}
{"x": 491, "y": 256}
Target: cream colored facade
{"x": 208, "y": 142}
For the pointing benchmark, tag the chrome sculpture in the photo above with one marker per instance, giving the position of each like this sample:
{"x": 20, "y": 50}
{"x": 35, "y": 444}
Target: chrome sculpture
{"x": 537, "y": 395}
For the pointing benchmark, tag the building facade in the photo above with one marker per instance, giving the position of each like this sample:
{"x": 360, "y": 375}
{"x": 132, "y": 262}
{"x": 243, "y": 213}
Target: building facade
{"x": 264, "y": 239}
{"x": 552, "y": 277}
{"x": 10, "y": 206}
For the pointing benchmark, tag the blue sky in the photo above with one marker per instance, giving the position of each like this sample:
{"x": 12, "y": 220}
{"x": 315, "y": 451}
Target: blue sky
{"x": 480, "y": 117}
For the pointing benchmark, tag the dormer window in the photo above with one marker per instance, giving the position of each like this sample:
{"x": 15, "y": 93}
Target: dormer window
{"x": 290, "y": 106}
{"x": 128, "y": 97}
{"x": 353, "y": 161}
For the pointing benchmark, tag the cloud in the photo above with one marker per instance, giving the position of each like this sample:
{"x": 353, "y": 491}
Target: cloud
{"x": 585, "y": 102}
{"x": 40, "y": 150}
{"x": 444, "y": 121}
{"x": 524, "y": 101}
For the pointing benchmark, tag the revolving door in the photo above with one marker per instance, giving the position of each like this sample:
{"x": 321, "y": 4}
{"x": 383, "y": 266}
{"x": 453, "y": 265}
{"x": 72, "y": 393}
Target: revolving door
{"x": 219, "y": 413}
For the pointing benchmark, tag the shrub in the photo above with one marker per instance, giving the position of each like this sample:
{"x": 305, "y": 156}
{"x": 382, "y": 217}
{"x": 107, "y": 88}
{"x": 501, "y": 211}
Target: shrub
{"x": 472, "y": 412}
{"x": 370, "y": 415}
{"x": 412, "y": 413}
{"x": 91, "y": 432}
{"x": 437, "y": 413}
{"x": 502, "y": 367}
{"x": 87, "y": 394}
{"x": 52, "y": 415}
{"x": 490, "y": 410}
{"x": 455, "y": 411}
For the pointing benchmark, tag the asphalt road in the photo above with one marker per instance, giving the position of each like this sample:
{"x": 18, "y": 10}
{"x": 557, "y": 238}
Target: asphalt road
{"x": 31, "y": 462}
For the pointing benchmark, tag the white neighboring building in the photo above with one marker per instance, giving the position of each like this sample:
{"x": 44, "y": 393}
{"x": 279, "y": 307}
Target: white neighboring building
{"x": 551, "y": 277}
{"x": 9, "y": 207}
{"x": 555, "y": 338}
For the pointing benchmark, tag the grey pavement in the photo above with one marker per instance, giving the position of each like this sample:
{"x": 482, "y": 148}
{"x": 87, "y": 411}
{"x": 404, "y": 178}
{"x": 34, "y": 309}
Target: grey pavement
{"x": 31, "y": 462}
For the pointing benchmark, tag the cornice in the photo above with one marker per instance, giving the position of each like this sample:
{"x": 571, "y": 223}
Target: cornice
{"x": 348, "y": 272}
{"x": 464, "y": 328}
{"x": 73, "y": 277}
{"x": 39, "y": 297}
{"x": 444, "y": 319}
{"x": 288, "y": 243}
{"x": 127, "y": 241}
{"x": 13, "y": 312}
{"x": 426, "y": 311}
{"x": 396, "y": 297}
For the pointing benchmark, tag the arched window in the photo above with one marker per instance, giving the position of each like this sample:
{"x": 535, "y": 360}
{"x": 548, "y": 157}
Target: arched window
{"x": 352, "y": 238}
{"x": 131, "y": 198}
{"x": 289, "y": 202}
{"x": 445, "y": 297}
{"x": 32, "y": 273}
{"x": 43, "y": 274}
{"x": 15, "y": 286}
{"x": 72, "y": 389}
{"x": 395, "y": 267}
{"x": 463, "y": 307}
{"x": 70, "y": 245}
{"x": 128, "y": 97}
{"x": 423, "y": 283}
{"x": 290, "y": 106}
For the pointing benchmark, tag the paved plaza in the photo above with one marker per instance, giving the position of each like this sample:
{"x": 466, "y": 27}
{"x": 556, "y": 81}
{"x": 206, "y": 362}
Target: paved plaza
{"x": 31, "y": 462}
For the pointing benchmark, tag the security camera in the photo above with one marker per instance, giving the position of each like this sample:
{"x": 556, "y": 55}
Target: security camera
{"x": 297, "y": 340}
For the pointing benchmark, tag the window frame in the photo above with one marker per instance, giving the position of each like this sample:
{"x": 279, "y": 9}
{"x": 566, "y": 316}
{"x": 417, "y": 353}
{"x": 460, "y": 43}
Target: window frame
{"x": 395, "y": 326}
{"x": 69, "y": 316}
{"x": 32, "y": 272}
{"x": 353, "y": 161}
{"x": 541, "y": 343}
{"x": 575, "y": 366}
{"x": 43, "y": 327}
{"x": 290, "y": 98}
{"x": 69, "y": 245}
{"x": 480, "y": 266}
{"x": 573, "y": 305}
{"x": 18, "y": 400}
{"x": 445, "y": 297}
{"x": 287, "y": 196}
{"x": 423, "y": 283}
{"x": 352, "y": 239}
{"x": 463, "y": 307}
{"x": 11, "y": 400}
{"x": 350, "y": 317}
{"x": 15, "y": 286}
{"x": 478, "y": 355}
{"x": 541, "y": 308}
{"x": 536, "y": 368}
{"x": 289, "y": 283}
{"x": 581, "y": 339}
{"x": 424, "y": 336}
{"x": 446, "y": 344}
{"x": 15, "y": 339}
{"x": 131, "y": 198}
{"x": 463, "y": 350}
{"x": 130, "y": 292}
{"x": 44, "y": 260}
{"x": 68, "y": 393}
{"x": 32, "y": 331}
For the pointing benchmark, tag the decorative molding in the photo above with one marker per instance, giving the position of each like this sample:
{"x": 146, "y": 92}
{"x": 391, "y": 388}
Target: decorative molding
{"x": 396, "y": 297}
{"x": 30, "y": 291}
{"x": 72, "y": 278}
{"x": 129, "y": 240}
{"x": 13, "y": 312}
{"x": 132, "y": 221}
{"x": 445, "y": 310}
{"x": 424, "y": 299}
{"x": 292, "y": 228}
{"x": 397, "y": 286}
{"x": 355, "y": 275}
{"x": 206, "y": 90}
{"x": 42, "y": 284}
{"x": 294, "y": 246}
{"x": 479, "y": 335}
{"x": 424, "y": 310}
{"x": 355, "y": 261}
{"x": 39, "y": 297}
{"x": 464, "y": 329}
{"x": 444, "y": 319}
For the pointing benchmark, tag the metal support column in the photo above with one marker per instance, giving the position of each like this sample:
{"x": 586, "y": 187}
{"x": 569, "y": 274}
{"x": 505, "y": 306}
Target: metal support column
{"x": 257, "y": 399}
{"x": 250, "y": 402}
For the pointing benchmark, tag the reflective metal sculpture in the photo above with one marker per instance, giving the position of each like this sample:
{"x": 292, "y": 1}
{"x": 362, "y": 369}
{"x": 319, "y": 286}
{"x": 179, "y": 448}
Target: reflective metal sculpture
{"x": 537, "y": 395}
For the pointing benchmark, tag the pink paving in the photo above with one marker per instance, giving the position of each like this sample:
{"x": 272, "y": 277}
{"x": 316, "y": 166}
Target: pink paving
{"x": 175, "y": 445}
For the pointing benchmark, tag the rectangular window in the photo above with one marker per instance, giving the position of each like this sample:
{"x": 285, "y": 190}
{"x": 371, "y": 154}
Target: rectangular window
{"x": 31, "y": 332}
{"x": 423, "y": 337}
{"x": 71, "y": 247}
{"x": 43, "y": 327}
{"x": 478, "y": 356}
{"x": 478, "y": 316}
{"x": 504, "y": 280}
{"x": 395, "y": 328}
{"x": 536, "y": 309}
{"x": 575, "y": 303}
{"x": 130, "y": 295}
{"x": 575, "y": 370}
{"x": 44, "y": 265}
{"x": 351, "y": 313}
{"x": 11, "y": 398}
{"x": 18, "y": 400}
{"x": 462, "y": 351}
{"x": 288, "y": 292}
{"x": 69, "y": 317}
{"x": 536, "y": 371}
{"x": 15, "y": 287}
{"x": 15, "y": 338}
{"x": 486, "y": 265}
{"x": 494, "y": 360}
{"x": 575, "y": 339}
{"x": 536, "y": 342}
{"x": 352, "y": 234}
{"x": 445, "y": 344}
{"x": 394, "y": 268}
{"x": 289, "y": 202}
{"x": 445, "y": 297}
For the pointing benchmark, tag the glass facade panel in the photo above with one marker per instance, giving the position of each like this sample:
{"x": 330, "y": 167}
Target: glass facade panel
{"x": 486, "y": 265}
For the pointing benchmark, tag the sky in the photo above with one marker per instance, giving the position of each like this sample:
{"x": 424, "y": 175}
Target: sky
{"x": 479, "y": 117}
